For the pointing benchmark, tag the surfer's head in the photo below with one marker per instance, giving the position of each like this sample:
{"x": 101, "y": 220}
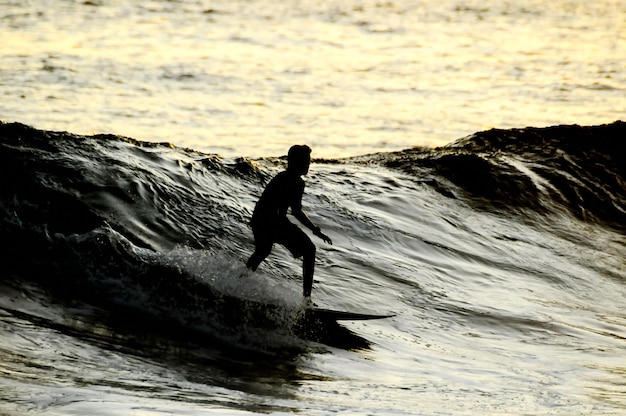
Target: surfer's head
{"x": 298, "y": 159}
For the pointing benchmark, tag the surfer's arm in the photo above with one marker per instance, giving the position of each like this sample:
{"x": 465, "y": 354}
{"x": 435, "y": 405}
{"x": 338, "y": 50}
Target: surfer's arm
{"x": 318, "y": 232}
{"x": 297, "y": 212}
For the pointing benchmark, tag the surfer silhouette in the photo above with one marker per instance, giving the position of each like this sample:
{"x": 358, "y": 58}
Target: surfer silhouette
{"x": 270, "y": 223}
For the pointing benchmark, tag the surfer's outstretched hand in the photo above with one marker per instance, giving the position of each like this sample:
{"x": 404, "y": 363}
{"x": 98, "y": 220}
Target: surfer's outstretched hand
{"x": 323, "y": 236}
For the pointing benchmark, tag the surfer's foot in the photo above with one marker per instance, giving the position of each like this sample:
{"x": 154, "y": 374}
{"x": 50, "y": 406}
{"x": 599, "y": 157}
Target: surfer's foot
{"x": 308, "y": 303}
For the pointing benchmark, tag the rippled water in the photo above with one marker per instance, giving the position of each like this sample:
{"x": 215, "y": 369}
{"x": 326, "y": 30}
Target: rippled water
{"x": 505, "y": 303}
{"x": 347, "y": 77}
{"x": 124, "y": 289}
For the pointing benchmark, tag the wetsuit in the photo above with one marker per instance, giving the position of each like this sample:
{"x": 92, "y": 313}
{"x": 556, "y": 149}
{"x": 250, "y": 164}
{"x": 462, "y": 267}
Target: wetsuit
{"x": 270, "y": 224}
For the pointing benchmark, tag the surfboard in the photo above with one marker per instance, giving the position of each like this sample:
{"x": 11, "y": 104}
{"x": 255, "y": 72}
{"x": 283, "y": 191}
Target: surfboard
{"x": 330, "y": 314}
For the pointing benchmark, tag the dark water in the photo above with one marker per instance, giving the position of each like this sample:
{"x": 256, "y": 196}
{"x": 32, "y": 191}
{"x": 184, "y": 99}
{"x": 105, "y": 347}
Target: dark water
{"x": 123, "y": 289}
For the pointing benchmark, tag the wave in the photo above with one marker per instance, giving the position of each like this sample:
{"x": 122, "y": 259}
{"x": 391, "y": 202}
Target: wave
{"x": 157, "y": 232}
{"x": 578, "y": 169}
{"x": 145, "y": 230}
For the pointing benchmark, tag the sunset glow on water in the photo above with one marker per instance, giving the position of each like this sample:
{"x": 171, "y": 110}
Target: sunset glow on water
{"x": 351, "y": 77}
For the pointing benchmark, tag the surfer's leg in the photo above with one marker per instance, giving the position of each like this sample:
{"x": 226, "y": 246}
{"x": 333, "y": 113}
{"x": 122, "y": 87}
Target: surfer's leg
{"x": 308, "y": 268}
{"x": 262, "y": 247}
{"x": 300, "y": 245}
{"x": 256, "y": 258}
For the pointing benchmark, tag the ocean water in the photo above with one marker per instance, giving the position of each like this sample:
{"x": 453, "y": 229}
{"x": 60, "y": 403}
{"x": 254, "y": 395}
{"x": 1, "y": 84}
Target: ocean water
{"x": 349, "y": 77}
{"x": 136, "y": 138}
{"x": 124, "y": 289}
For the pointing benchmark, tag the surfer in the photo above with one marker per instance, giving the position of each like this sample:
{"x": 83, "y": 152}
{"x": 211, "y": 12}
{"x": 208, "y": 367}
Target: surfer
{"x": 269, "y": 220}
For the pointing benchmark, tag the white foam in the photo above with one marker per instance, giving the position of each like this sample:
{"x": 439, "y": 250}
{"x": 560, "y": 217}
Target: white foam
{"x": 228, "y": 275}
